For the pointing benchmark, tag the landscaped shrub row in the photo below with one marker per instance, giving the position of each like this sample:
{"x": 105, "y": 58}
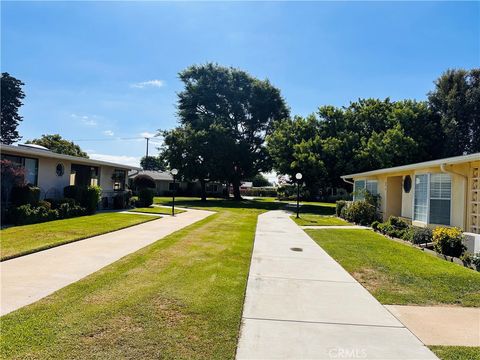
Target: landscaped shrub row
{"x": 259, "y": 191}
{"x": 446, "y": 240}
{"x": 30, "y": 210}
{"x": 28, "y": 214}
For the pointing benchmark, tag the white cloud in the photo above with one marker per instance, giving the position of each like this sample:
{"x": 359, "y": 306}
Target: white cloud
{"x": 149, "y": 83}
{"x": 119, "y": 159}
{"x": 86, "y": 120}
{"x": 108, "y": 133}
{"x": 147, "y": 134}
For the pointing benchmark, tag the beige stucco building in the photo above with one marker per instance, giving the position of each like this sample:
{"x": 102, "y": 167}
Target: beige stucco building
{"x": 52, "y": 172}
{"x": 438, "y": 192}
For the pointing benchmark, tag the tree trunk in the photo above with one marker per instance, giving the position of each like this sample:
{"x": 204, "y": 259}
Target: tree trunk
{"x": 203, "y": 192}
{"x": 227, "y": 191}
{"x": 236, "y": 189}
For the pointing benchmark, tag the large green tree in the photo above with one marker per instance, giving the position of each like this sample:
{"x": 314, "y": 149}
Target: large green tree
{"x": 198, "y": 155}
{"x": 11, "y": 99}
{"x": 240, "y": 107}
{"x": 456, "y": 100}
{"x": 59, "y": 145}
{"x": 151, "y": 163}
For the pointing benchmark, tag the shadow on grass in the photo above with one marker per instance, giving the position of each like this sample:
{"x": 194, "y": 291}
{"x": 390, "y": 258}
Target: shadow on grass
{"x": 244, "y": 204}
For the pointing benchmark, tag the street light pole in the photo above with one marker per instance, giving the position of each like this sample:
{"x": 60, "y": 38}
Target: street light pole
{"x": 174, "y": 172}
{"x": 298, "y": 176}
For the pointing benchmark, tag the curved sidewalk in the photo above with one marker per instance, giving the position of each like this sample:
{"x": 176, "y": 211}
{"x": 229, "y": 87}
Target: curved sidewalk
{"x": 29, "y": 278}
{"x": 301, "y": 304}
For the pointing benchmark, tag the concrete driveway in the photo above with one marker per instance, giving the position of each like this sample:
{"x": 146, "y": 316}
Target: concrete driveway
{"x": 29, "y": 278}
{"x": 301, "y": 304}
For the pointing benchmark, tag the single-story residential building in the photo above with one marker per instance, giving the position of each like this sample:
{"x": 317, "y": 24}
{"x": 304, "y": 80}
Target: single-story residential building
{"x": 162, "y": 183}
{"x": 438, "y": 192}
{"x": 52, "y": 172}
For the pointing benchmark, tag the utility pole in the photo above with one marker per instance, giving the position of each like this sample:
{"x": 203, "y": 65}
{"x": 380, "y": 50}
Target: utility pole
{"x": 148, "y": 139}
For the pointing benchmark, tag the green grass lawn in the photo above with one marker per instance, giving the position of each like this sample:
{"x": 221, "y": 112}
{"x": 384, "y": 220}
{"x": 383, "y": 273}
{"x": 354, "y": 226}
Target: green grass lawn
{"x": 396, "y": 273}
{"x": 180, "y": 298}
{"x": 318, "y": 220}
{"x": 156, "y": 210}
{"x": 456, "y": 352}
{"x": 21, "y": 240}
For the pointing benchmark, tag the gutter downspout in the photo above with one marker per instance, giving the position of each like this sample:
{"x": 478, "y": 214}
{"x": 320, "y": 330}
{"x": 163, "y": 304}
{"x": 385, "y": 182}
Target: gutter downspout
{"x": 444, "y": 170}
{"x": 348, "y": 182}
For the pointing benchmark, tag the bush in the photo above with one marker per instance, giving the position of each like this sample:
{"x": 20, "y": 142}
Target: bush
{"x": 339, "y": 205}
{"x": 360, "y": 212}
{"x": 394, "y": 227}
{"x": 259, "y": 192}
{"x": 45, "y": 204}
{"x": 145, "y": 197}
{"x": 476, "y": 261}
{"x": 23, "y": 195}
{"x": 420, "y": 235}
{"x": 448, "y": 241}
{"x": 26, "y": 214}
{"x": 73, "y": 192}
{"x": 121, "y": 200}
{"x": 375, "y": 225}
{"x": 69, "y": 210}
{"x": 91, "y": 199}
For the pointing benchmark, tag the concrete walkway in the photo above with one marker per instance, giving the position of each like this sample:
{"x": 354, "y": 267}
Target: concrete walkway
{"x": 29, "y": 278}
{"x": 301, "y": 304}
{"x": 441, "y": 325}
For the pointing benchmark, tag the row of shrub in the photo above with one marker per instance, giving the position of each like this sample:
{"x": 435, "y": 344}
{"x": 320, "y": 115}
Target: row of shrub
{"x": 45, "y": 211}
{"x": 259, "y": 192}
{"x": 27, "y": 208}
{"x": 446, "y": 240}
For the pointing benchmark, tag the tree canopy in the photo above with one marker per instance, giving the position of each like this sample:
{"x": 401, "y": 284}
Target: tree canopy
{"x": 456, "y": 100}
{"x": 59, "y": 145}
{"x": 11, "y": 100}
{"x": 151, "y": 163}
{"x": 225, "y": 115}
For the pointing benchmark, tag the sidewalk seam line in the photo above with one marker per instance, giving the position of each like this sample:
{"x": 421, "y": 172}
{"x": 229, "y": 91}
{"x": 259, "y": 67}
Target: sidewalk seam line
{"x": 325, "y": 322}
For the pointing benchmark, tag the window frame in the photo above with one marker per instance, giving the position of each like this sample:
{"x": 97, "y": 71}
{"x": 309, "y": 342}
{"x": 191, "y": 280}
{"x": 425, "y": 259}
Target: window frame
{"x": 429, "y": 175}
{"x": 365, "y": 181}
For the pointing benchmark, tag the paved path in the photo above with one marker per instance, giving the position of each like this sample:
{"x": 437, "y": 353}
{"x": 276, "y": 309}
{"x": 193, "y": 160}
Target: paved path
{"x": 29, "y": 278}
{"x": 304, "y": 305}
{"x": 441, "y": 325}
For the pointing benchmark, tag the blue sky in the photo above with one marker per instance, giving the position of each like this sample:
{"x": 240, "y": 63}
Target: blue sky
{"x": 108, "y": 70}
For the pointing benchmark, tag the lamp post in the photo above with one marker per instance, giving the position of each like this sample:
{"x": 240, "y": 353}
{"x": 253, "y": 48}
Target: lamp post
{"x": 173, "y": 172}
{"x": 298, "y": 176}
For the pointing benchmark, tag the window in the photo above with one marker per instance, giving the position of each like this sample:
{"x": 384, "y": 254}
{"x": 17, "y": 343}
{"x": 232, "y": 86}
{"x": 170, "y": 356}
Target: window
{"x": 358, "y": 190}
{"x": 212, "y": 188}
{"x": 30, "y": 165}
{"x": 440, "y": 198}
{"x": 372, "y": 186}
{"x": 360, "y": 186}
{"x": 118, "y": 178}
{"x": 83, "y": 175}
{"x": 420, "y": 203}
{"x": 60, "y": 169}
{"x": 432, "y": 198}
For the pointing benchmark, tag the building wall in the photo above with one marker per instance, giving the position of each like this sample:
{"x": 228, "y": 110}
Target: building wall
{"x": 51, "y": 185}
{"x": 460, "y": 215}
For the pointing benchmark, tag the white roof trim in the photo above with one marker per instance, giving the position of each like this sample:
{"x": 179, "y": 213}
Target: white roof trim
{"x": 426, "y": 164}
{"x": 27, "y": 151}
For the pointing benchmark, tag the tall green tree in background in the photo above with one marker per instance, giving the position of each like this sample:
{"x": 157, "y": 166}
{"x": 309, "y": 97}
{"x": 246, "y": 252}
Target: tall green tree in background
{"x": 153, "y": 163}
{"x": 456, "y": 100}
{"x": 237, "y": 105}
{"x": 59, "y": 145}
{"x": 11, "y": 99}
{"x": 198, "y": 155}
